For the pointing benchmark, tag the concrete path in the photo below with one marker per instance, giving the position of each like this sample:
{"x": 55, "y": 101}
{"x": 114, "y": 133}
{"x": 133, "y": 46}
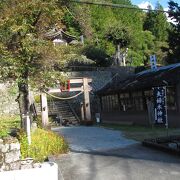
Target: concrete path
{"x": 91, "y": 158}
{"x": 88, "y": 139}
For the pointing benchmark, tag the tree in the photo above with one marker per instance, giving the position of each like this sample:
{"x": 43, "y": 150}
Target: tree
{"x": 119, "y": 34}
{"x": 78, "y": 19}
{"x": 174, "y": 33}
{"x": 26, "y": 56}
{"x": 156, "y": 22}
{"x": 161, "y": 25}
{"x": 98, "y": 55}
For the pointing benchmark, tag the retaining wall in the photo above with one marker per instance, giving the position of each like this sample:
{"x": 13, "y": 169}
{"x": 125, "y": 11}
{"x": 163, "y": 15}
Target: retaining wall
{"x": 13, "y": 168}
{"x": 9, "y": 154}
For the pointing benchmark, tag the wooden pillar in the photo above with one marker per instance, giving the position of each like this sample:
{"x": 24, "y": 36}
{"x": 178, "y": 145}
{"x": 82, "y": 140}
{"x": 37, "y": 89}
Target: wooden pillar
{"x": 144, "y": 101}
{"x": 101, "y": 103}
{"x": 86, "y": 100}
{"x": 44, "y": 110}
{"x": 119, "y": 101}
{"x": 82, "y": 111}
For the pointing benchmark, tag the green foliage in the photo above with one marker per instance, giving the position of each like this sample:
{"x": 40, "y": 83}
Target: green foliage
{"x": 144, "y": 33}
{"x": 119, "y": 34}
{"x": 174, "y": 33}
{"x": 78, "y": 20}
{"x": 26, "y": 53}
{"x": 12, "y": 90}
{"x": 156, "y": 23}
{"x": 37, "y": 98}
{"x": 23, "y": 144}
{"x": 98, "y": 55}
{"x": 44, "y": 143}
{"x": 39, "y": 121}
{"x": 7, "y": 123}
{"x": 3, "y": 132}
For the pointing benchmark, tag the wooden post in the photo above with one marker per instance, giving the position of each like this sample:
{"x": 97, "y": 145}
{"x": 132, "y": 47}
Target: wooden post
{"x": 101, "y": 104}
{"x": 82, "y": 111}
{"x": 44, "y": 110}
{"x": 27, "y": 125}
{"x": 86, "y": 100}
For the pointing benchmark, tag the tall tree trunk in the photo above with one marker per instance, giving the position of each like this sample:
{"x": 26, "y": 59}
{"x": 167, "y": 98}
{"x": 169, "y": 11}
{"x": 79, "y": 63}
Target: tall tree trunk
{"x": 23, "y": 100}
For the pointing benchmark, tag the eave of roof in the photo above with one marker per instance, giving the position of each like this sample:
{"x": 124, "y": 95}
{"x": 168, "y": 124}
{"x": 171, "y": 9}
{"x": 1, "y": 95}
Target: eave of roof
{"x": 166, "y": 75}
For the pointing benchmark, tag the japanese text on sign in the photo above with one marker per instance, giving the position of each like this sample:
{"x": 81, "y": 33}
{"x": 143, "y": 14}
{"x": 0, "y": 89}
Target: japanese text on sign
{"x": 160, "y": 104}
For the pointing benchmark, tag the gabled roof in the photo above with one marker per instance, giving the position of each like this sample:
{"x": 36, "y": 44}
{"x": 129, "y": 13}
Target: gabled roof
{"x": 60, "y": 34}
{"x": 163, "y": 76}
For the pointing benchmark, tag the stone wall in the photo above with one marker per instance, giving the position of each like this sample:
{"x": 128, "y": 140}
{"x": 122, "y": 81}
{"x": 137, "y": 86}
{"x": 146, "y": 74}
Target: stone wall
{"x": 9, "y": 154}
{"x": 8, "y": 94}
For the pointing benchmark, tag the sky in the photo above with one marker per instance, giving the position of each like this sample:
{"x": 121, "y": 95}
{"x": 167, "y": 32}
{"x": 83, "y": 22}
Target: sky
{"x": 144, "y": 3}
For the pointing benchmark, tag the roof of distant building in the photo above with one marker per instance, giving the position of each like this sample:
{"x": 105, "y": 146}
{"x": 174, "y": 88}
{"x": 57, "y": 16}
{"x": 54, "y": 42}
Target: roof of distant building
{"x": 60, "y": 34}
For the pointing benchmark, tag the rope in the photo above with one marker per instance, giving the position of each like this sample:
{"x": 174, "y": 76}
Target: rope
{"x": 61, "y": 98}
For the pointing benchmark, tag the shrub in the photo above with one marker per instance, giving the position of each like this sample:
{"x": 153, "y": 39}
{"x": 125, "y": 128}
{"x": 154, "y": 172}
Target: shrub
{"x": 7, "y": 123}
{"x": 39, "y": 121}
{"x": 37, "y": 98}
{"x": 44, "y": 143}
{"x": 3, "y": 132}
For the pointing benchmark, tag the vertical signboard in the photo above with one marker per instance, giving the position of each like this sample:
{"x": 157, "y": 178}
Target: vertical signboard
{"x": 153, "y": 62}
{"x": 160, "y": 105}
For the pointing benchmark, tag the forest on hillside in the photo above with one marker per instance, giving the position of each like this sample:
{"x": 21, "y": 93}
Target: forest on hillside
{"x": 143, "y": 32}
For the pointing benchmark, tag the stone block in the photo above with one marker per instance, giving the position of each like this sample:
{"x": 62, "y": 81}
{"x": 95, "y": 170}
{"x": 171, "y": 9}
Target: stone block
{"x": 4, "y": 148}
{"x": 12, "y": 156}
{"x": 15, "y": 165}
{"x": 26, "y": 166}
{"x": 9, "y": 140}
{"x": 36, "y": 165}
{"x": 1, "y": 159}
{"x": 4, "y": 168}
{"x": 14, "y": 146}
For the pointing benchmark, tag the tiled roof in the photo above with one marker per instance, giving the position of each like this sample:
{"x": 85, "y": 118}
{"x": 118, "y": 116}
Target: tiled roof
{"x": 163, "y": 76}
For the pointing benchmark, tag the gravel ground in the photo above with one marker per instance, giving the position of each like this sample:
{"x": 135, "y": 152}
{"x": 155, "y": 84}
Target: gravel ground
{"x": 88, "y": 139}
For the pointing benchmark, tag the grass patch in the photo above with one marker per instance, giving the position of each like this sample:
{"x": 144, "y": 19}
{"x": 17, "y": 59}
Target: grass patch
{"x": 44, "y": 143}
{"x": 7, "y": 123}
{"x": 140, "y": 133}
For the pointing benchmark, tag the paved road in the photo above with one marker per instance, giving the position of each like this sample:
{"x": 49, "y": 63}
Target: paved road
{"x": 88, "y": 139}
{"x": 128, "y": 161}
